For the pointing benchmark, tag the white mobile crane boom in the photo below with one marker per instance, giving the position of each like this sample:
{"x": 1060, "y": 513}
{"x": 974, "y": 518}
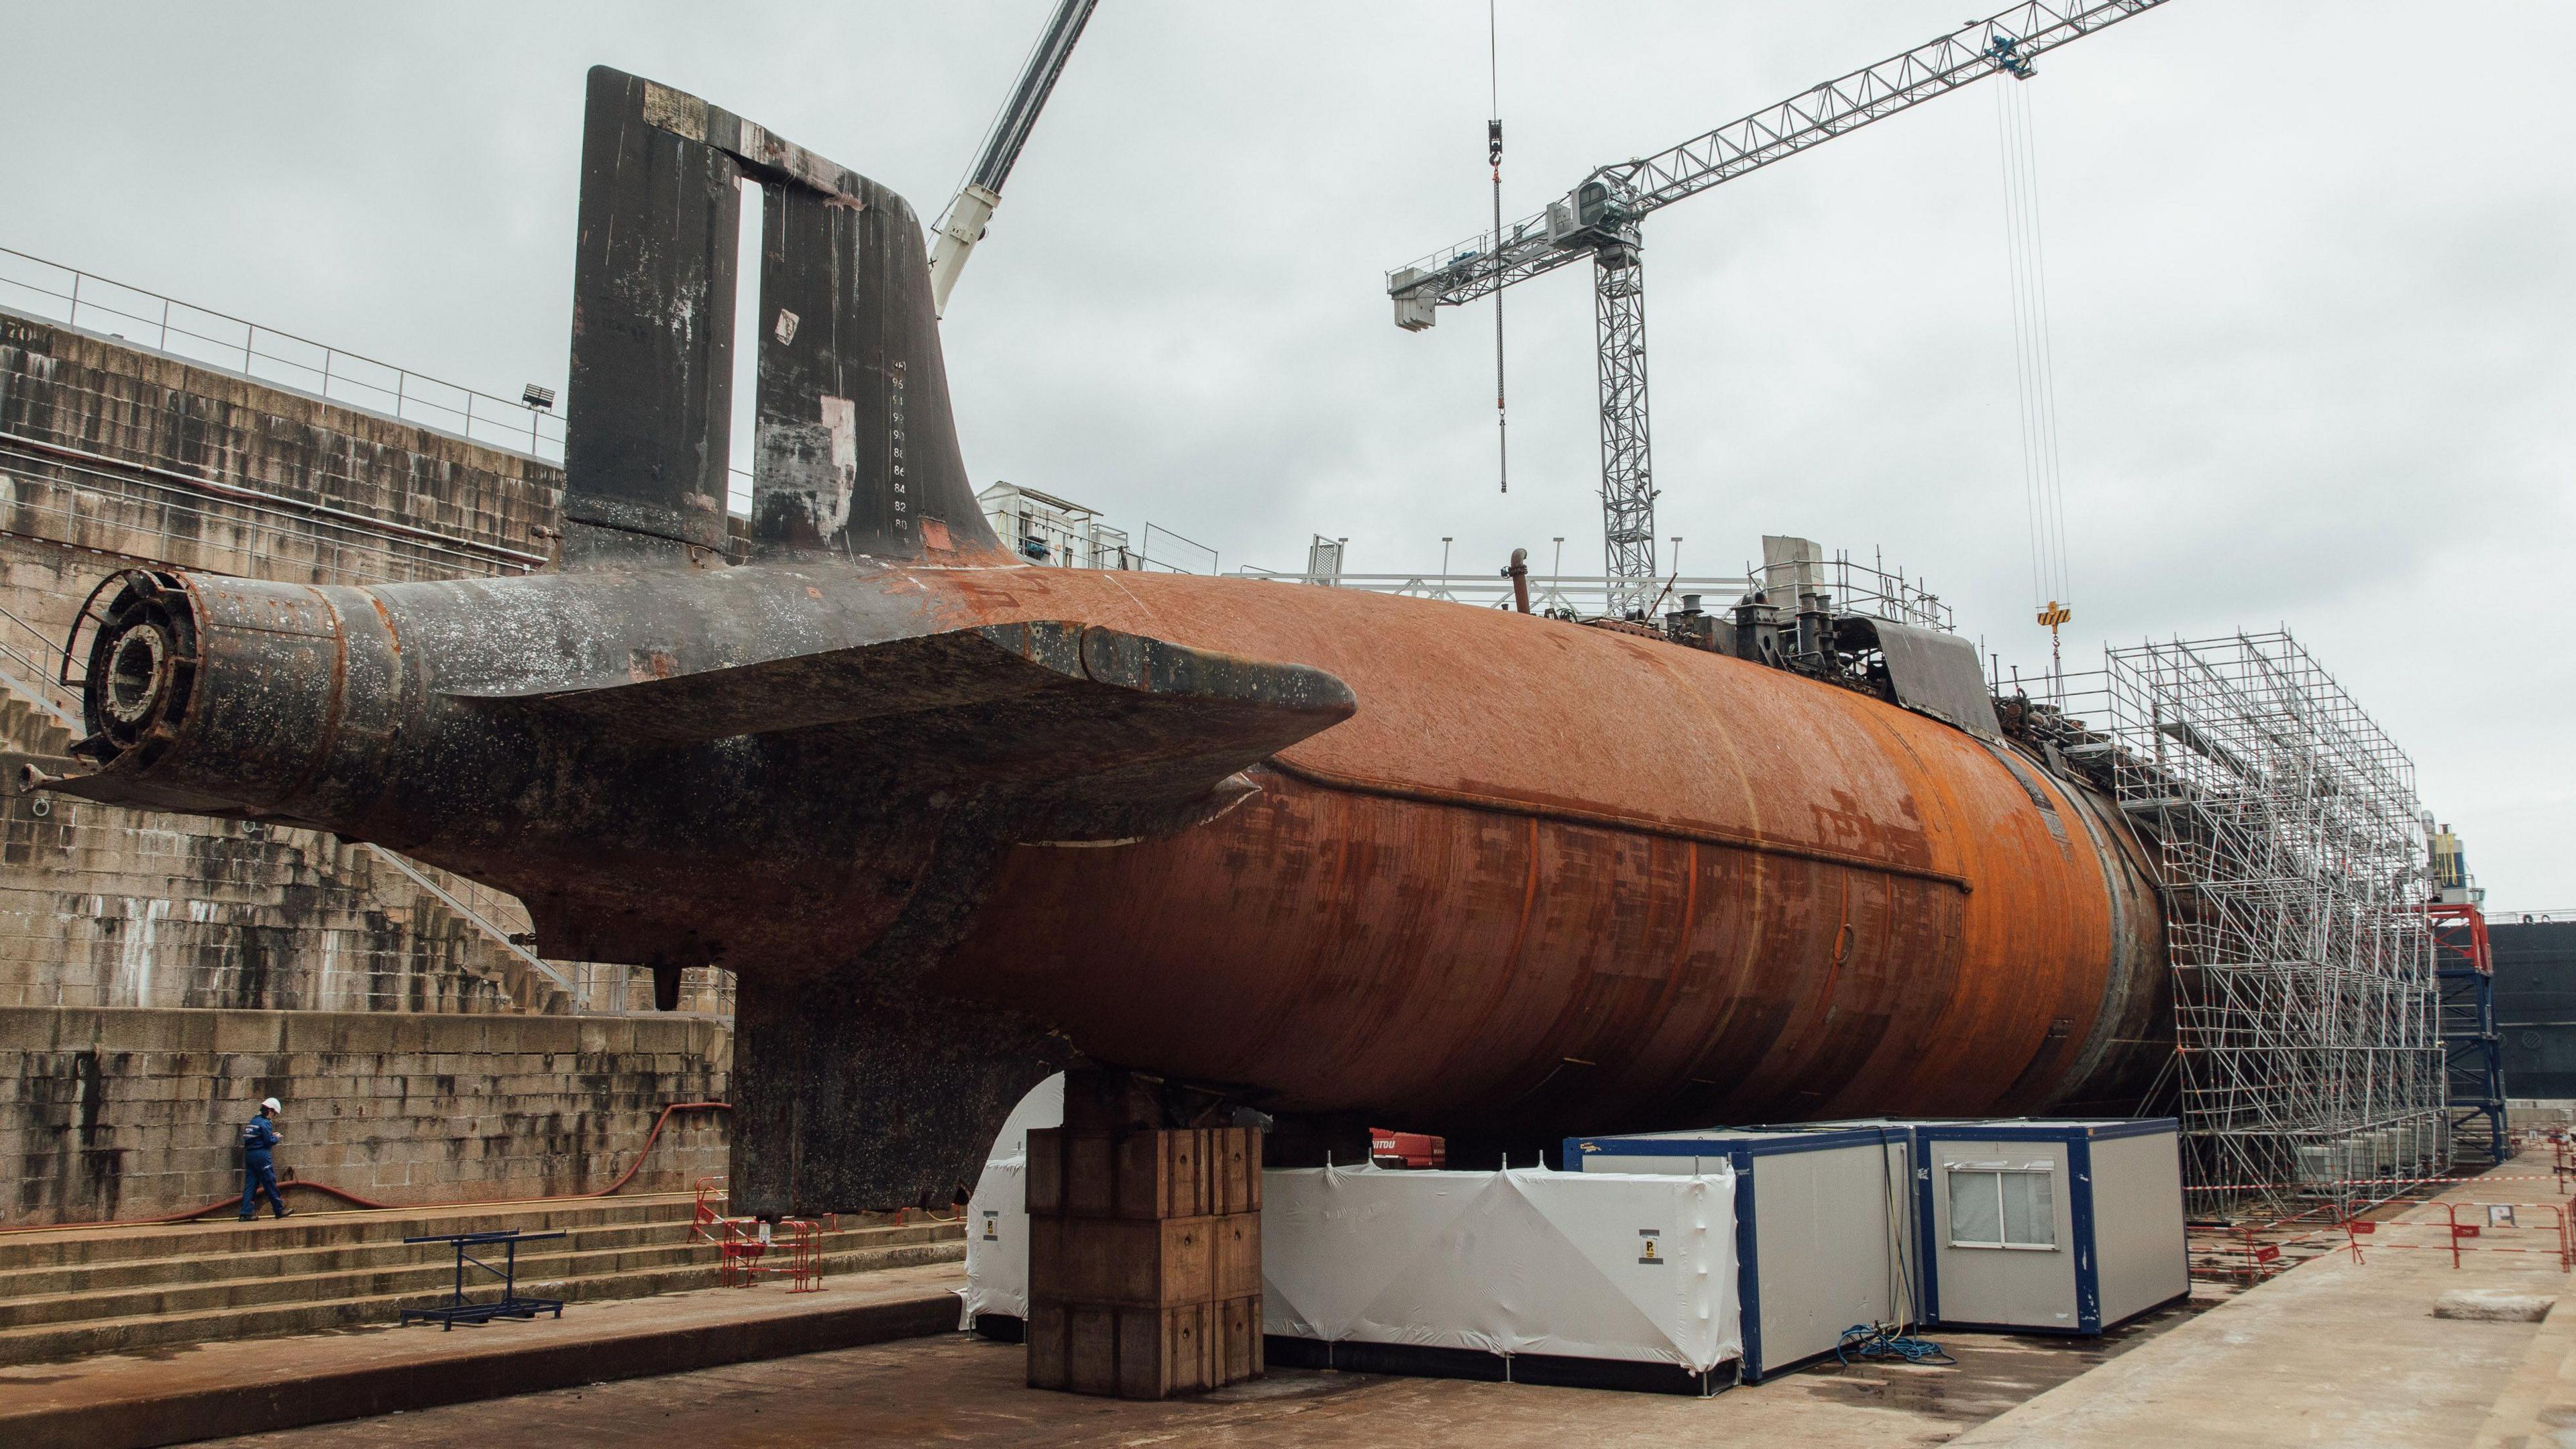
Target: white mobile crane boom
{"x": 1599, "y": 219}
{"x": 962, "y": 225}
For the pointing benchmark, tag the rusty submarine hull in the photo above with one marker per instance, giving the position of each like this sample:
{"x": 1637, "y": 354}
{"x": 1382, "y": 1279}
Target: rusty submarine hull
{"x": 956, "y": 820}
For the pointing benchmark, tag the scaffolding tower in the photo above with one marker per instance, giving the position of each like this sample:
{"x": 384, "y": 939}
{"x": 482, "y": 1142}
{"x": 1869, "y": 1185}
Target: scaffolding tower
{"x": 2308, "y": 1056}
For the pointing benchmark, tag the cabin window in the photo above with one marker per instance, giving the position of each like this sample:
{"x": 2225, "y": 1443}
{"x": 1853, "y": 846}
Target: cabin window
{"x": 1997, "y": 1206}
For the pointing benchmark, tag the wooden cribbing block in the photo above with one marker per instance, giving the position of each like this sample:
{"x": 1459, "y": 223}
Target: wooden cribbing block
{"x": 1238, "y": 1337}
{"x": 1143, "y": 1353}
{"x": 1122, "y": 1262}
{"x": 1235, "y": 1258}
{"x": 1145, "y": 1263}
{"x": 1177, "y": 1173}
{"x": 1144, "y": 1253}
{"x": 1234, "y": 1170}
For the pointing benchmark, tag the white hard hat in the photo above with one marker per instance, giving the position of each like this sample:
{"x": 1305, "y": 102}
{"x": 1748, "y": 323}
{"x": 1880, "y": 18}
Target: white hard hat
{"x": 273, "y": 1104}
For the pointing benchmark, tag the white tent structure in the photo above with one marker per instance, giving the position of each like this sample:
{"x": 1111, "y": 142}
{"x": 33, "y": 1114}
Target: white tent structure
{"x": 997, "y": 1216}
{"x": 1549, "y": 1275}
{"x": 1519, "y": 1264}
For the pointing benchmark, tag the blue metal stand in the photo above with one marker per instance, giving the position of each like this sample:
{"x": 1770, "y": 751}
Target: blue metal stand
{"x": 2473, "y": 1056}
{"x": 460, "y": 1309}
{"x": 2472, "y": 1048}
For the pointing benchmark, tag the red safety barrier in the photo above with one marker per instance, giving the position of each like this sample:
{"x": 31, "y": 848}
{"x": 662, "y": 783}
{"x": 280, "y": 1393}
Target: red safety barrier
{"x": 735, "y": 1245}
{"x": 746, "y": 1248}
{"x": 2229, "y": 1254}
{"x": 2251, "y": 1253}
{"x": 791, "y": 1248}
{"x": 2257, "y": 1259}
{"x": 2459, "y": 1237}
{"x": 711, "y": 1190}
{"x": 739, "y": 1249}
{"x": 804, "y": 1267}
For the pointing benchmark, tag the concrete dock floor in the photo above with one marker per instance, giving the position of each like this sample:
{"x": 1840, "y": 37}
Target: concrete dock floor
{"x": 179, "y": 1393}
{"x": 2332, "y": 1352}
{"x": 959, "y": 1390}
{"x": 2338, "y": 1352}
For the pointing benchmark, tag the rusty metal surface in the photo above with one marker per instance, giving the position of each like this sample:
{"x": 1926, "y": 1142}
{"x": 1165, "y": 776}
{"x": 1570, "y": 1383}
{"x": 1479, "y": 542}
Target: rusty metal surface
{"x": 1543, "y": 873}
{"x": 1546, "y": 867}
{"x": 957, "y": 821}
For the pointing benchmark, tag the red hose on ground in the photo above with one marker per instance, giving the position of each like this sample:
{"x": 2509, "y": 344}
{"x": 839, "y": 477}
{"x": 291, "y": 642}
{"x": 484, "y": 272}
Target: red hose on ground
{"x": 344, "y": 1195}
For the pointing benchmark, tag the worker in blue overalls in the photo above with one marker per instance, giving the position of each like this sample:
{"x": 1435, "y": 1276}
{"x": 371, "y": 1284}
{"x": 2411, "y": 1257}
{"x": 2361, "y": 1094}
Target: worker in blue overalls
{"x": 259, "y": 1169}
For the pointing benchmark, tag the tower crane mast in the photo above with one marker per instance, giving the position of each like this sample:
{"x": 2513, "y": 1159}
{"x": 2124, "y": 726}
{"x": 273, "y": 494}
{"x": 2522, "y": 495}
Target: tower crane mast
{"x": 1599, "y": 219}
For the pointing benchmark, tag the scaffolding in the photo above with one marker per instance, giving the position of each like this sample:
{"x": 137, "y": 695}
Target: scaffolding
{"x": 2308, "y": 1059}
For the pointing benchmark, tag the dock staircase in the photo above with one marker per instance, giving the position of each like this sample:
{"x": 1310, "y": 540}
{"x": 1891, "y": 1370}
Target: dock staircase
{"x": 29, "y": 728}
{"x": 72, "y": 1292}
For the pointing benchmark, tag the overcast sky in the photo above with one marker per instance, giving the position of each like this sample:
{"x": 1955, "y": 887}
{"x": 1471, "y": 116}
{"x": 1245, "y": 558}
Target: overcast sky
{"x": 2310, "y": 265}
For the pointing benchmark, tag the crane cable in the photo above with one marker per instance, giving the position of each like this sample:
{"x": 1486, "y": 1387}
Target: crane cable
{"x": 2043, "y": 476}
{"x": 1494, "y": 154}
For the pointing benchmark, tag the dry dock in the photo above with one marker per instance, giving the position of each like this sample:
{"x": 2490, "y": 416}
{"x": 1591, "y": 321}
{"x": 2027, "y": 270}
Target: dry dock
{"x": 2331, "y": 1352}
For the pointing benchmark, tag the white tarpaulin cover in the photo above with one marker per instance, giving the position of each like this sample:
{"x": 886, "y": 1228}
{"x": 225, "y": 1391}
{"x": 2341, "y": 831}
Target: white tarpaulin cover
{"x": 997, "y": 1216}
{"x": 1583, "y": 1264}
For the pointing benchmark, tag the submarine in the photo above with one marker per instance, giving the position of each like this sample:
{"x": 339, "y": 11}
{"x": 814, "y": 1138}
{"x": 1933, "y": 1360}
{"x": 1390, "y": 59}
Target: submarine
{"x": 957, "y": 821}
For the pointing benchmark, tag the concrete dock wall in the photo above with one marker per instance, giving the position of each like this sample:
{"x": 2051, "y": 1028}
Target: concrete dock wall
{"x": 135, "y": 1112}
{"x": 113, "y": 456}
{"x": 405, "y": 501}
{"x": 159, "y": 974}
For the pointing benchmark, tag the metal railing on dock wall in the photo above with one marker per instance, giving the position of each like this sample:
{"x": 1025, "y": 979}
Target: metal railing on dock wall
{"x": 491, "y": 930}
{"x": 143, "y": 317}
{"x": 33, "y": 665}
{"x": 346, "y": 547}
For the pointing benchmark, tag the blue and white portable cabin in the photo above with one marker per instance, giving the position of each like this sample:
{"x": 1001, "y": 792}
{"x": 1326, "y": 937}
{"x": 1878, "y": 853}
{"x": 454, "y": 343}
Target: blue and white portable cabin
{"x": 2037, "y": 1225}
{"x": 1824, "y": 1226}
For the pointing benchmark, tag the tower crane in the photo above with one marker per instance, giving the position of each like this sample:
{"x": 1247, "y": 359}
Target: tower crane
{"x": 962, "y": 225}
{"x": 1599, "y": 219}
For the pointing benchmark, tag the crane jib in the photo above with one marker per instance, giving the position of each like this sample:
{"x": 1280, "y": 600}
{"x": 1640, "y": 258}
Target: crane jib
{"x": 2006, "y": 42}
